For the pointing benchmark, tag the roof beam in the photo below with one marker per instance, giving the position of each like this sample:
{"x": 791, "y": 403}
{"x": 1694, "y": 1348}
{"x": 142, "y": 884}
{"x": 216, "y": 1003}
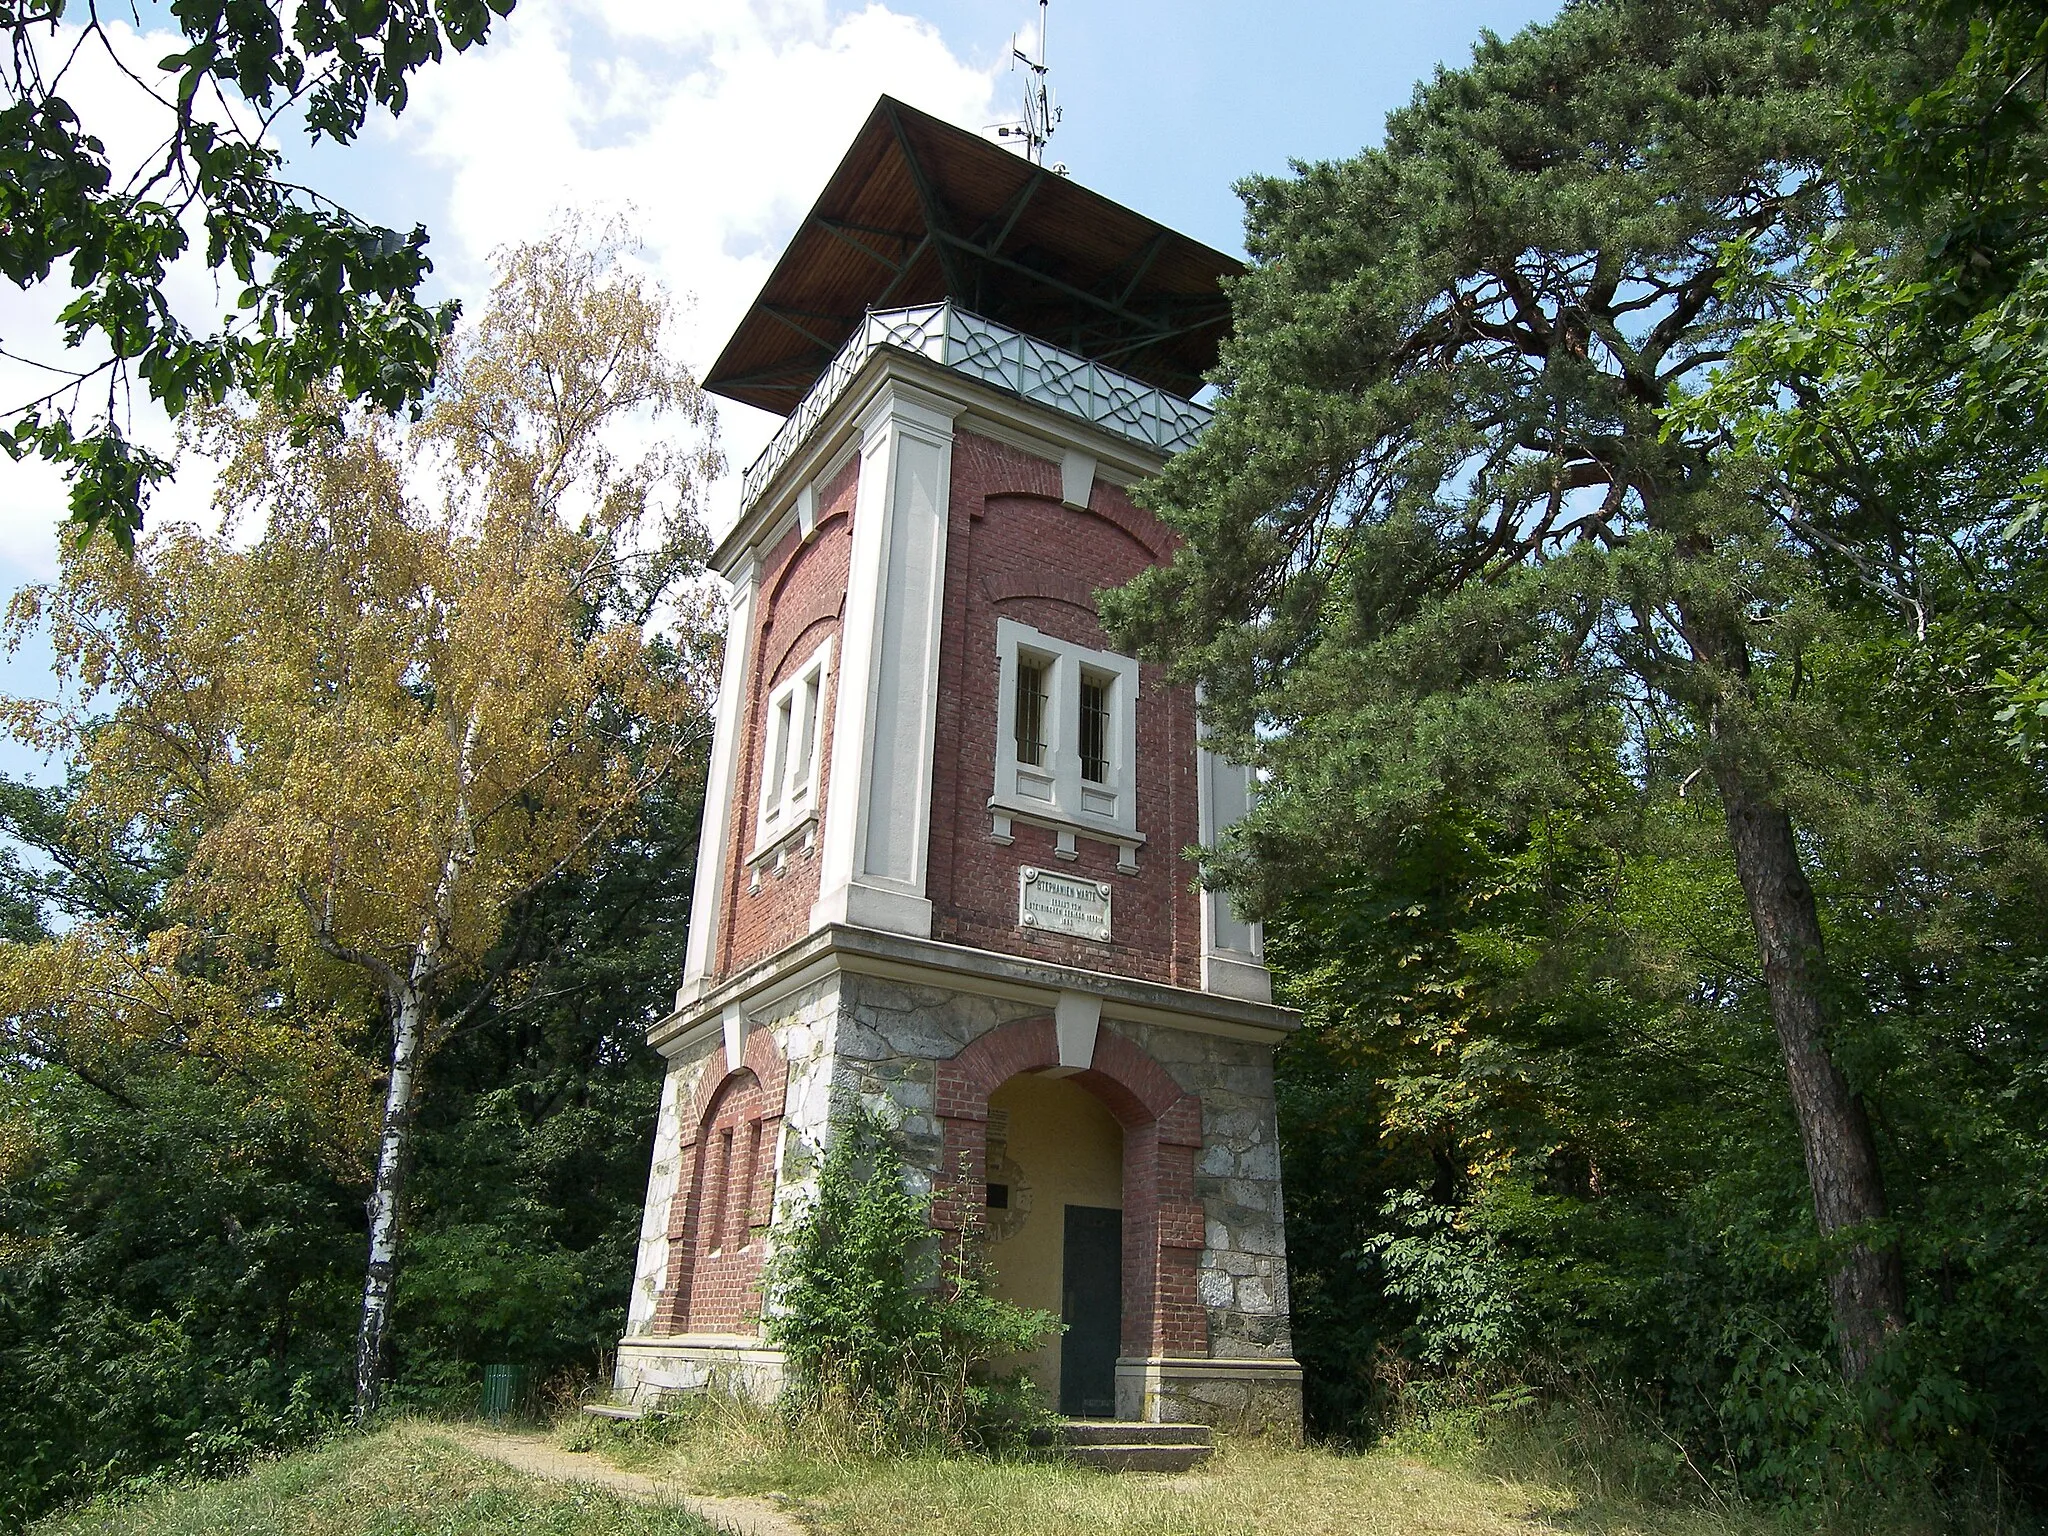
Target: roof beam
{"x": 881, "y": 300}
{"x": 1145, "y": 259}
{"x": 794, "y": 319}
{"x": 936, "y": 218}
{"x": 1155, "y": 328}
{"x": 1019, "y": 201}
{"x": 1127, "y": 349}
{"x": 840, "y": 229}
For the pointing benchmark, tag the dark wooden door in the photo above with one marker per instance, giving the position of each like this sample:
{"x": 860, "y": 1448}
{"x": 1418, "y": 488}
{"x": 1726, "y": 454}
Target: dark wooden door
{"x": 1092, "y": 1307}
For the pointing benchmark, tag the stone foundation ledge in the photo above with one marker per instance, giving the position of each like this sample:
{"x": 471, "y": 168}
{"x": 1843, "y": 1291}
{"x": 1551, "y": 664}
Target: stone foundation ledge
{"x": 1245, "y": 1396}
{"x": 650, "y": 1368}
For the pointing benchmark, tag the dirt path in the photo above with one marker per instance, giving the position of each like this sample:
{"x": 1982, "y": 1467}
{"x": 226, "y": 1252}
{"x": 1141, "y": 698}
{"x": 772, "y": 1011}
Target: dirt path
{"x": 538, "y": 1457}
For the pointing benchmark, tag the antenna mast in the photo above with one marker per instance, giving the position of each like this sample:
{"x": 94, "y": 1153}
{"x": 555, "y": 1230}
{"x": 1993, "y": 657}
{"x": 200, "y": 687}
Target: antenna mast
{"x": 1041, "y": 118}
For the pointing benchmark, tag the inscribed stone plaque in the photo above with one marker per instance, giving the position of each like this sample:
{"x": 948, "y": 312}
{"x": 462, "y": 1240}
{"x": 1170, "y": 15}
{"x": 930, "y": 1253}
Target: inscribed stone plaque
{"x": 1055, "y": 903}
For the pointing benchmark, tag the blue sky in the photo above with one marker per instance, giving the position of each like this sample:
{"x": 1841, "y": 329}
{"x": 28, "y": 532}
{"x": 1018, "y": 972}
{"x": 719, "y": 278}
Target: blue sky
{"x": 1168, "y": 104}
{"x": 712, "y": 126}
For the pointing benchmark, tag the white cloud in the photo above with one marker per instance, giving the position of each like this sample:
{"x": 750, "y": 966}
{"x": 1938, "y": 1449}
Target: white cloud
{"x": 713, "y": 124}
{"x": 716, "y": 124}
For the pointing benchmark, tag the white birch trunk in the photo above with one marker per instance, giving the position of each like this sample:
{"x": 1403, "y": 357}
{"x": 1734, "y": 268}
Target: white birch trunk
{"x": 408, "y": 1037}
{"x": 394, "y": 1146}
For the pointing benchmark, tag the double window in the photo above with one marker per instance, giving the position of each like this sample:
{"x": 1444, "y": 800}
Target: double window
{"x": 1068, "y": 732}
{"x": 790, "y": 758}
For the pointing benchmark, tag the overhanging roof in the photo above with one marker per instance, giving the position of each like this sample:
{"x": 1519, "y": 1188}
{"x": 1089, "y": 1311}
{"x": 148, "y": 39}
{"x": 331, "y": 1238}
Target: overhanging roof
{"x": 920, "y": 211}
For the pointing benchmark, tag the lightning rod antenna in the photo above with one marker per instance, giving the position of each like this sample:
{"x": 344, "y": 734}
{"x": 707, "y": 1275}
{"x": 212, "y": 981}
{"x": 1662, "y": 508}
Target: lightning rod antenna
{"x": 1041, "y": 116}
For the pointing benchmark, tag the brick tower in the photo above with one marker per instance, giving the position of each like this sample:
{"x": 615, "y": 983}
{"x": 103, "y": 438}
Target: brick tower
{"x": 942, "y": 866}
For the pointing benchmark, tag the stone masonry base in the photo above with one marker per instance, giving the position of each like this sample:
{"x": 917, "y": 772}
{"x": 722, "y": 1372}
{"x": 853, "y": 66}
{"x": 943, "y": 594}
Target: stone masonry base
{"x": 649, "y": 1368}
{"x": 1238, "y": 1395}
{"x": 1253, "y": 1397}
{"x": 1242, "y": 1396}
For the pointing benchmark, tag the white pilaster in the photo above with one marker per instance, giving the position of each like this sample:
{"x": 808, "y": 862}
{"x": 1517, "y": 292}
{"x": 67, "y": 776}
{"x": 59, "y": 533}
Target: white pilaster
{"x": 1233, "y": 950}
{"x": 713, "y": 839}
{"x": 878, "y": 802}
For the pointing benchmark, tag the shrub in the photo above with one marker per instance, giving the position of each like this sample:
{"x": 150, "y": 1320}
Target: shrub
{"x": 887, "y": 1330}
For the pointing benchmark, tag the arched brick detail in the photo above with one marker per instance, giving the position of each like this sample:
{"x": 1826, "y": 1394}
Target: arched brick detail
{"x": 731, "y": 1145}
{"x": 1151, "y": 536}
{"x": 1000, "y": 587}
{"x": 782, "y": 645}
{"x": 1163, "y": 1227}
{"x": 837, "y": 524}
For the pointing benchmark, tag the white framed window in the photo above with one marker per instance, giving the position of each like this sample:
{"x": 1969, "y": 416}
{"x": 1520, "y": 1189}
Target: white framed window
{"x": 790, "y": 760}
{"x": 1067, "y": 736}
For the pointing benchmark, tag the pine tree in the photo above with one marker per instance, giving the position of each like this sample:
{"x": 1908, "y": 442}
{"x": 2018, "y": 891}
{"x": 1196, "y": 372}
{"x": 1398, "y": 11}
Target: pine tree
{"x": 1440, "y": 543}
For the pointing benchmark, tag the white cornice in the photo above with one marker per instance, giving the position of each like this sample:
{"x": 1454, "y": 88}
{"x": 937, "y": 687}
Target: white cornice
{"x": 1035, "y": 429}
{"x": 983, "y": 972}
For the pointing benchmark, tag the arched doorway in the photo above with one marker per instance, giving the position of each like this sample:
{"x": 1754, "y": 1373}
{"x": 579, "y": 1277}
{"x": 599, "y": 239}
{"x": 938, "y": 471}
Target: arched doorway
{"x": 1162, "y": 1228}
{"x": 1055, "y": 1230}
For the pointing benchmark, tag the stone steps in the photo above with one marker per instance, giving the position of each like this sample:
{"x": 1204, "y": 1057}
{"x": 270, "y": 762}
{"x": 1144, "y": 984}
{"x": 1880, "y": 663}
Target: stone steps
{"x": 1115, "y": 1445}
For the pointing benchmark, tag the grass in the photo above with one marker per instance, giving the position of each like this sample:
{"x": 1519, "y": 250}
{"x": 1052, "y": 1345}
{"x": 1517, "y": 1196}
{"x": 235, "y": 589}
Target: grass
{"x": 408, "y": 1480}
{"x": 1250, "y": 1486}
{"x": 1527, "y": 1477}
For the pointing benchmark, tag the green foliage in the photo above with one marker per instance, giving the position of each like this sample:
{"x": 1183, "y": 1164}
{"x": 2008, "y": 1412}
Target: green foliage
{"x": 1955, "y": 152}
{"x": 1616, "y": 438}
{"x": 1535, "y": 1131}
{"x": 368, "y": 738}
{"x": 533, "y": 1138}
{"x": 1527, "y": 656}
{"x": 1453, "y": 1274}
{"x": 181, "y": 1246}
{"x": 887, "y": 1329}
{"x": 321, "y": 296}
{"x": 1894, "y": 386}
{"x": 1439, "y": 545}
{"x": 175, "y": 1274}
{"x": 58, "y": 869}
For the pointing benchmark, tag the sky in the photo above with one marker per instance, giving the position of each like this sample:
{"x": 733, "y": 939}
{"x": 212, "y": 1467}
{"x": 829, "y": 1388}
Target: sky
{"x": 712, "y": 127}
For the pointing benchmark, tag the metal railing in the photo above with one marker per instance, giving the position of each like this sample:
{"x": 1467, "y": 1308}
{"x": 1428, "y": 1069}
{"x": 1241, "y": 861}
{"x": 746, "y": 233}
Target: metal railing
{"x": 1021, "y": 365}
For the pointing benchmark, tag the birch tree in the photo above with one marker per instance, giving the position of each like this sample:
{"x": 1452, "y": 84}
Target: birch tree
{"x": 395, "y": 715}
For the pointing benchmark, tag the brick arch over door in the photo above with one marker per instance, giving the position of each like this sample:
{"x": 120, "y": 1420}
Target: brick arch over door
{"x": 724, "y": 1192}
{"x": 1163, "y": 1229}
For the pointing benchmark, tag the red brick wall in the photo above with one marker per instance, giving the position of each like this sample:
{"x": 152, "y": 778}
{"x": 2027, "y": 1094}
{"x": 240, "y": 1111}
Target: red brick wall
{"x": 718, "y": 1216}
{"x": 802, "y": 599}
{"x": 1013, "y": 551}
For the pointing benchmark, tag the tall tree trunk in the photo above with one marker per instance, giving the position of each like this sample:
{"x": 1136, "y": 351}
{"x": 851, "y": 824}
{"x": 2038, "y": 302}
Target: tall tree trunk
{"x": 394, "y": 1148}
{"x": 408, "y": 1040}
{"x": 1867, "y": 1288}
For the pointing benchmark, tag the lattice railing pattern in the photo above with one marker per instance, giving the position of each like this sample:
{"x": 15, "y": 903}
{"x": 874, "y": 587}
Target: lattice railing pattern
{"x": 1009, "y": 360}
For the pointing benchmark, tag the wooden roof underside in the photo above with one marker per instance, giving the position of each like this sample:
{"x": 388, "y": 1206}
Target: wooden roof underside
{"x": 920, "y": 211}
